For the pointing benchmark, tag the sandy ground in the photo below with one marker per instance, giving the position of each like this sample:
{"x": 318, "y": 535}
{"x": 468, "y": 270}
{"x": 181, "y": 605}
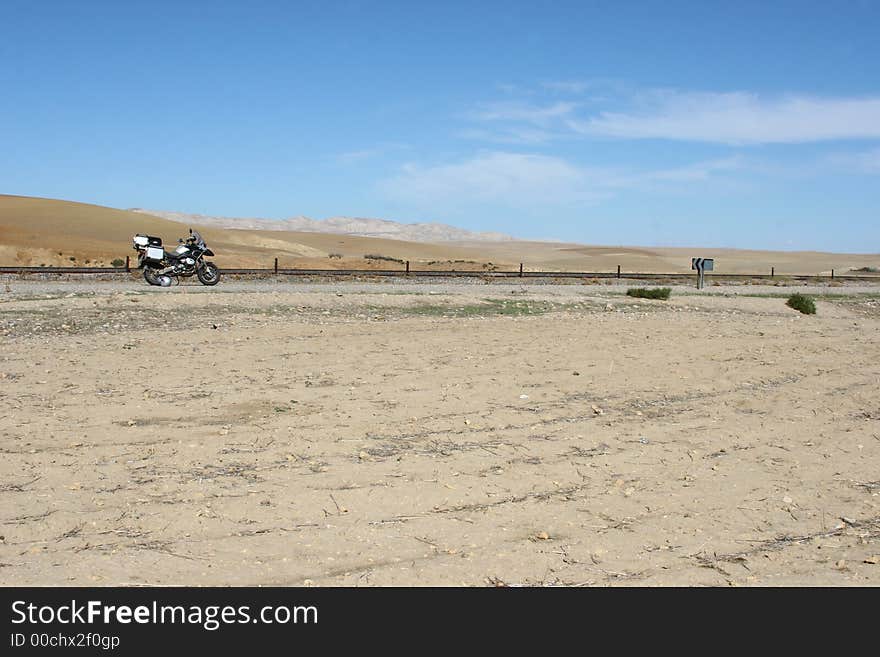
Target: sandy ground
{"x": 410, "y": 434}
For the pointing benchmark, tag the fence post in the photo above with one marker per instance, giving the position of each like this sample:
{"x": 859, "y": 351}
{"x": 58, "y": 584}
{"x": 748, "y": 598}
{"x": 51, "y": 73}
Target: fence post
{"x": 276, "y": 265}
{"x": 520, "y": 270}
{"x": 618, "y": 271}
{"x": 127, "y": 264}
{"x": 407, "y": 267}
{"x": 772, "y": 272}
{"x": 832, "y": 274}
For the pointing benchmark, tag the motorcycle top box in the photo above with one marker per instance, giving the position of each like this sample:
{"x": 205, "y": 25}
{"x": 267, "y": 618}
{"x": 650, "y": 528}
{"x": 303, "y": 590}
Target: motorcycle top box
{"x": 144, "y": 241}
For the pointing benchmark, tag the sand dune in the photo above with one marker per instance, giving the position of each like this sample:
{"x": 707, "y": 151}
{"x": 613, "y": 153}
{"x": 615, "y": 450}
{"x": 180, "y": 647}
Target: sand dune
{"x": 36, "y": 231}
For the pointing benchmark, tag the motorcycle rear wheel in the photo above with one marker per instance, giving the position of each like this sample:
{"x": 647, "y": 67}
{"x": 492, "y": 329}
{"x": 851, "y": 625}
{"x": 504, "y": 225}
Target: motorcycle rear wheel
{"x": 150, "y": 276}
{"x": 208, "y": 274}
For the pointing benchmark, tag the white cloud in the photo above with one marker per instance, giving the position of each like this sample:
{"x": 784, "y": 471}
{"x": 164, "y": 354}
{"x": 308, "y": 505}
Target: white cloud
{"x": 521, "y": 123}
{"x": 495, "y": 176}
{"x": 567, "y": 86}
{"x": 512, "y": 89}
{"x": 356, "y": 156}
{"x": 536, "y": 114}
{"x": 691, "y": 173}
{"x": 353, "y": 157}
{"x": 863, "y": 162}
{"x": 730, "y": 118}
{"x": 738, "y": 118}
{"x": 514, "y": 134}
{"x": 518, "y": 179}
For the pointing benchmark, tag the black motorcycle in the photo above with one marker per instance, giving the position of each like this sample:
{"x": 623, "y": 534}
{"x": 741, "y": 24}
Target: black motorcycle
{"x": 162, "y": 267}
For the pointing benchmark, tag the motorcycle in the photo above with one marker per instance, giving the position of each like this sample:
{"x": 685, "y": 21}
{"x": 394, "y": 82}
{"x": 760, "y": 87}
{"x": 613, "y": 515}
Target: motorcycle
{"x": 187, "y": 259}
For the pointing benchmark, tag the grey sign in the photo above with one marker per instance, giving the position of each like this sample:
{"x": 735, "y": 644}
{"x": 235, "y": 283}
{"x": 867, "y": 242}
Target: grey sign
{"x": 702, "y": 265}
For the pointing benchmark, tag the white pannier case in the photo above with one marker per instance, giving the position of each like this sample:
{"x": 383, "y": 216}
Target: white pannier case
{"x": 155, "y": 253}
{"x": 141, "y": 240}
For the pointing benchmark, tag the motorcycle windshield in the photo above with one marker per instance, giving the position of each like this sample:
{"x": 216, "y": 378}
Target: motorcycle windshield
{"x": 200, "y": 242}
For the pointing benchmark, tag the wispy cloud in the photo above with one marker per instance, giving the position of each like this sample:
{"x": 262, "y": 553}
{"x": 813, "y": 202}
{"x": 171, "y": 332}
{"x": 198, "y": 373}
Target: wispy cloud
{"x": 520, "y": 179}
{"x": 513, "y": 134}
{"x": 573, "y": 87}
{"x": 528, "y": 113}
{"x": 355, "y": 156}
{"x": 521, "y": 123}
{"x": 735, "y": 118}
{"x": 495, "y": 177}
{"x": 864, "y": 162}
{"x": 513, "y": 89}
{"x": 739, "y": 118}
{"x": 691, "y": 173}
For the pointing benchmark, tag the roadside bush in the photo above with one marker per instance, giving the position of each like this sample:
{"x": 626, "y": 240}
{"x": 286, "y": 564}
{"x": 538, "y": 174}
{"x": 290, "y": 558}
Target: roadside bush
{"x": 118, "y": 262}
{"x": 802, "y": 303}
{"x": 338, "y": 256}
{"x": 382, "y": 257}
{"x": 661, "y": 293}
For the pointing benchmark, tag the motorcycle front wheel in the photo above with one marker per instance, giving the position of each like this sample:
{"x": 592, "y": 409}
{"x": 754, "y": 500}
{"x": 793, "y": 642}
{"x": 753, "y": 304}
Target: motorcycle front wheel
{"x": 150, "y": 276}
{"x": 208, "y": 274}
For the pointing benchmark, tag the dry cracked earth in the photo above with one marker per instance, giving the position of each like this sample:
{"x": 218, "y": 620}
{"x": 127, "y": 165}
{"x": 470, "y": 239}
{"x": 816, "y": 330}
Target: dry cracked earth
{"x": 373, "y": 435}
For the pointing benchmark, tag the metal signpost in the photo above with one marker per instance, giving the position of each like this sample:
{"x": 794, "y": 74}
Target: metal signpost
{"x": 702, "y": 265}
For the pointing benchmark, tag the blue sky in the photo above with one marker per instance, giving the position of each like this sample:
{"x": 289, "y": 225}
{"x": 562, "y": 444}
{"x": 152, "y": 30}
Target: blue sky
{"x": 751, "y": 125}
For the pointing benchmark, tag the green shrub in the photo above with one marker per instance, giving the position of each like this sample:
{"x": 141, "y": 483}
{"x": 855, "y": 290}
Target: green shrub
{"x": 649, "y": 293}
{"x": 803, "y": 303}
{"x": 372, "y": 256}
{"x": 118, "y": 262}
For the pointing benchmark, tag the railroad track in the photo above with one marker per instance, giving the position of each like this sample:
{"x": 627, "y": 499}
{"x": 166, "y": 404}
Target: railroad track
{"x": 120, "y": 271}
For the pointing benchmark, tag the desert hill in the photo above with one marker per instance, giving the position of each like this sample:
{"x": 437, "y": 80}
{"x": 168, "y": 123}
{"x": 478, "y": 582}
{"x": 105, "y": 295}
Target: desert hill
{"x": 417, "y": 232}
{"x": 35, "y": 231}
{"x": 38, "y": 231}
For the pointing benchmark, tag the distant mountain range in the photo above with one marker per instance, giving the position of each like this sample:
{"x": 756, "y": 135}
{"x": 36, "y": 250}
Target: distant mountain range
{"x": 51, "y": 232}
{"x": 419, "y": 232}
